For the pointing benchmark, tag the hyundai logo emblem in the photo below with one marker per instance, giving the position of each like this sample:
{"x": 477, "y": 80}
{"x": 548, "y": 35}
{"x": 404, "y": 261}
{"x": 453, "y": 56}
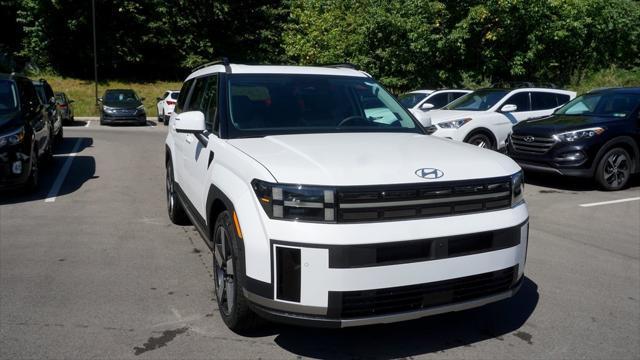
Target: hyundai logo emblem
{"x": 529, "y": 139}
{"x": 429, "y": 173}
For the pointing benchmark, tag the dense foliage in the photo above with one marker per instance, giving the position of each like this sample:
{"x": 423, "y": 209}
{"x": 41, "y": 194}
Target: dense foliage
{"x": 405, "y": 43}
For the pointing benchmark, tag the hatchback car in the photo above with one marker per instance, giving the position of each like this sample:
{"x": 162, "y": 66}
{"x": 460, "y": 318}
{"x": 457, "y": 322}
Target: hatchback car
{"x": 65, "y": 107}
{"x": 166, "y": 104}
{"x": 122, "y": 106}
{"x": 597, "y": 135}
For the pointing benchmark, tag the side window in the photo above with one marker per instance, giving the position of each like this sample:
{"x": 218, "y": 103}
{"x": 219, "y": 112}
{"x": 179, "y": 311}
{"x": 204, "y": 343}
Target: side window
{"x": 562, "y": 99}
{"x": 197, "y": 94}
{"x": 28, "y": 97}
{"x": 521, "y": 100}
{"x": 48, "y": 91}
{"x": 543, "y": 101}
{"x": 439, "y": 100}
{"x": 211, "y": 103}
{"x": 182, "y": 98}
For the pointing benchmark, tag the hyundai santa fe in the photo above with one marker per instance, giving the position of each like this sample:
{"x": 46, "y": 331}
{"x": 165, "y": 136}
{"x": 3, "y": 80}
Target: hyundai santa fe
{"x": 322, "y": 212}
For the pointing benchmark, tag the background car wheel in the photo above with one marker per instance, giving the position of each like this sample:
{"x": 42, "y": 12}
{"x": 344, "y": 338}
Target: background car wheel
{"x": 165, "y": 120}
{"x": 228, "y": 270}
{"x": 614, "y": 169}
{"x": 480, "y": 140}
{"x": 175, "y": 208}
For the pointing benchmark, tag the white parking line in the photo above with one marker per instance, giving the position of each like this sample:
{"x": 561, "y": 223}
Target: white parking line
{"x": 610, "y": 202}
{"x": 53, "y": 193}
{"x": 87, "y": 124}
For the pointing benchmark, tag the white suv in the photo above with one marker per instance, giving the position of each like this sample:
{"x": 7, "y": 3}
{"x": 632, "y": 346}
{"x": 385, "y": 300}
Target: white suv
{"x": 166, "y": 104}
{"x": 485, "y": 117}
{"x": 425, "y": 100}
{"x": 319, "y": 214}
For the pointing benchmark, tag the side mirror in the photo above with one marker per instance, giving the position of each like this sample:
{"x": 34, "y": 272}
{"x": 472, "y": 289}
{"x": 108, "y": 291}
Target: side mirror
{"x": 190, "y": 122}
{"x": 422, "y": 117}
{"x": 141, "y": 99}
{"x": 100, "y": 99}
{"x": 427, "y": 106}
{"x": 509, "y": 108}
{"x": 71, "y": 101}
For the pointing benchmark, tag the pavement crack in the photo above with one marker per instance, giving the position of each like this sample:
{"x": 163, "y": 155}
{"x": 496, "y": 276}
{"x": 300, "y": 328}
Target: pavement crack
{"x": 160, "y": 341}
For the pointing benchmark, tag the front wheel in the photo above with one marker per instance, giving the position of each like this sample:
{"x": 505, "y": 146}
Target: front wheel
{"x": 614, "y": 169}
{"x": 228, "y": 270}
{"x": 480, "y": 140}
{"x": 177, "y": 214}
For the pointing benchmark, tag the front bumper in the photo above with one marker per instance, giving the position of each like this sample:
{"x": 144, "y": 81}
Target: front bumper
{"x": 14, "y": 158}
{"x": 124, "y": 118}
{"x": 554, "y": 161}
{"x": 330, "y": 285}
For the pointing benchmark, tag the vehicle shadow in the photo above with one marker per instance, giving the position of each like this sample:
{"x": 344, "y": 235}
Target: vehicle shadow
{"x": 567, "y": 183}
{"x": 432, "y": 334}
{"x": 76, "y": 123}
{"x": 83, "y": 168}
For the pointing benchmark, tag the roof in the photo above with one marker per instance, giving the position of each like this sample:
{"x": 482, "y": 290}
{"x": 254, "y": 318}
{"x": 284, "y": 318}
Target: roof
{"x": 423, "y": 91}
{"x": 279, "y": 69}
{"x": 621, "y": 90}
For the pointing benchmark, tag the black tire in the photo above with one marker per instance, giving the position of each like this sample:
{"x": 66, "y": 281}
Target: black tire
{"x": 34, "y": 170}
{"x": 228, "y": 277}
{"x": 480, "y": 139}
{"x": 165, "y": 120}
{"x": 614, "y": 169}
{"x": 176, "y": 211}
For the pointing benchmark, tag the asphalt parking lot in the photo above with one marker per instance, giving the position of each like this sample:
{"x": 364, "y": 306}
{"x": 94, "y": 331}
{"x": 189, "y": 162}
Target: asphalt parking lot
{"x": 91, "y": 267}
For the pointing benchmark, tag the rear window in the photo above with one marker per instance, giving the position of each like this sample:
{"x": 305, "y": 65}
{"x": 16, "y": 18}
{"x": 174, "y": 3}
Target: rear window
{"x": 543, "y": 101}
{"x": 8, "y": 96}
{"x": 175, "y": 95}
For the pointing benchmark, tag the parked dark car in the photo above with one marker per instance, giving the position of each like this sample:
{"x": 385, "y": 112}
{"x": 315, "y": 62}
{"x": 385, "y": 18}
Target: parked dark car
{"x": 122, "y": 106}
{"x": 47, "y": 98}
{"x": 25, "y": 133}
{"x": 596, "y": 135}
{"x": 65, "y": 107}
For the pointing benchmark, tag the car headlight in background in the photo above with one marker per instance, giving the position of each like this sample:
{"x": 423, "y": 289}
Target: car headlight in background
{"x": 517, "y": 189}
{"x": 296, "y": 202}
{"x": 576, "y": 135}
{"x": 454, "y": 124}
{"x": 109, "y": 110}
{"x": 12, "y": 138}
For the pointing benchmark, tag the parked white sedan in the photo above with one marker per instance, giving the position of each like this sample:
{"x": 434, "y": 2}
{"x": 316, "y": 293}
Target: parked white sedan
{"x": 484, "y": 117}
{"x": 166, "y": 104}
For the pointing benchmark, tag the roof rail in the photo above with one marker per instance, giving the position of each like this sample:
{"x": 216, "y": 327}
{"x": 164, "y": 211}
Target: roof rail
{"x": 340, "y": 65}
{"x": 521, "y": 84}
{"x": 224, "y": 61}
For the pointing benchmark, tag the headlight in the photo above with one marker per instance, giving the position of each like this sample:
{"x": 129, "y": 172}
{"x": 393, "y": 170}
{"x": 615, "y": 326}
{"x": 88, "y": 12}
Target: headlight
{"x": 12, "y": 138}
{"x": 517, "y": 189}
{"x": 296, "y": 202}
{"x": 576, "y": 135}
{"x": 454, "y": 124}
{"x": 108, "y": 110}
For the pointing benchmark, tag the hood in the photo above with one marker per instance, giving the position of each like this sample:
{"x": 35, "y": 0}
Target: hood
{"x": 554, "y": 124}
{"x": 370, "y": 158}
{"x": 122, "y": 104}
{"x": 438, "y": 116}
{"x": 10, "y": 120}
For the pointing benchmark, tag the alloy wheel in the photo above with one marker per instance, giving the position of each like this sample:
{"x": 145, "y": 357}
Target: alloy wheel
{"x": 170, "y": 191}
{"x": 616, "y": 169}
{"x": 224, "y": 271}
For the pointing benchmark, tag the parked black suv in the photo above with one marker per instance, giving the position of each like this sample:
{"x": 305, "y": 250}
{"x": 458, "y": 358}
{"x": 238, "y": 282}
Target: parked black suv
{"x": 47, "y": 98}
{"x": 595, "y": 135}
{"x": 120, "y": 106}
{"x": 25, "y": 132}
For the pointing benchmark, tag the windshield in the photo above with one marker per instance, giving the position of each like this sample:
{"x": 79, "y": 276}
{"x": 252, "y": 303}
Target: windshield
{"x": 601, "y": 104}
{"x": 478, "y": 100}
{"x": 121, "y": 96}
{"x": 262, "y": 105}
{"x": 411, "y": 99}
{"x": 8, "y": 96}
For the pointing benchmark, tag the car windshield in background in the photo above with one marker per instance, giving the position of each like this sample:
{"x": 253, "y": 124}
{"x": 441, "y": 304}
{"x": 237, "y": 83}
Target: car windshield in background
{"x": 262, "y": 105}
{"x": 478, "y": 100}
{"x": 60, "y": 99}
{"x": 121, "y": 96}
{"x": 614, "y": 105}
{"x": 8, "y": 96}
{"x": 411, "y": 99}
{"x": 41, "y": 95}
{"x": 174, "y": 95}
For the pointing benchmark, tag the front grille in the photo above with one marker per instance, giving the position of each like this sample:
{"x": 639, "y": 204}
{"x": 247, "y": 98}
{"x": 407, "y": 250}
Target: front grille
{"x": 356, "y": 304}
{"x": 381, "y": 203}
{"x": 532, "y": 144}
